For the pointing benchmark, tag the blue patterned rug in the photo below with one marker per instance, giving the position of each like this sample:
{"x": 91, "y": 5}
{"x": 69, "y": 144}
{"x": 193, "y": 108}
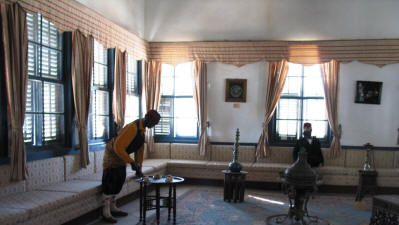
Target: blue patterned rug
{"x": 207, "y": 207}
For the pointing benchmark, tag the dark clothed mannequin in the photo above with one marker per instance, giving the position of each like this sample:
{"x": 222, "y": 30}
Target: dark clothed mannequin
{"x": 312, "y": 146}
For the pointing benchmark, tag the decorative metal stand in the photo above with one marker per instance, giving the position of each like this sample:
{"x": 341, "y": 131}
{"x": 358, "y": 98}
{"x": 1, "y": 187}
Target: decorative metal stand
{"x": 299, "y": 183}
{"x": 235, "y": 166}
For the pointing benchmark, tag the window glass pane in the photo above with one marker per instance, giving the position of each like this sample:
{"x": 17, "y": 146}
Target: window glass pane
{"x": 34, "y": 96}
{"x": 131, "y": 64}
{"x": 100, "y": 103}
{"x": 53, "y": 98}
{"x": 292, "y": 86}
{"x": 49, "y": 34}
{"x": 165, "y": 110}
{"x": 28, "y": 128}
{"x": 100, "y": 75}
{"x": 294, "y": 70}
{"x": 31, "y": 21}
{"x": 314, "y": 109}
{"x": 132, "y": 108}
{"x": 32, "y": 59}
{"x": 185, "y": 122}
{"x": 313, "y": 85}
{"x": 167, "y": 81}
{"x": 53, "y": 126}
{"x": 184, "y": 80}
{"x": 50, "y": 60}
{"x": 287, "y": 129}
{"x": 100, "y": 54}
{"x": 99, "y": 127}
{"x": 288, "y": 109}
{"x": 319, "y": 128}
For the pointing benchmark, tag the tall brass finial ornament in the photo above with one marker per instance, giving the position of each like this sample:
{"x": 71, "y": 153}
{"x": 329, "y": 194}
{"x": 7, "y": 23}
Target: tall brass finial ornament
{"x": 235, "y": 166}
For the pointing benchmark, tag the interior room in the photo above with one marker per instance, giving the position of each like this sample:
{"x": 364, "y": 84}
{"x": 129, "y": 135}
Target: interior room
{"x": 199, "y": 112}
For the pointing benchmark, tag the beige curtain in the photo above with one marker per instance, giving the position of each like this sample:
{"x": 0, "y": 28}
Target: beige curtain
{"x": 82, "y": 64}
{"x": 152, "y": 91}
{"x": 330, "y": 78}
{"x": 275, "y": 84}
{"x": 119, "y": 93}
{"x": 15, "y": 39}
{"x": 200, "y": 96}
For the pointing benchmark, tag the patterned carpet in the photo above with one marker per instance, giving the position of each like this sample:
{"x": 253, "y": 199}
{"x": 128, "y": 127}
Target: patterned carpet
{"x": 207, "y": 207}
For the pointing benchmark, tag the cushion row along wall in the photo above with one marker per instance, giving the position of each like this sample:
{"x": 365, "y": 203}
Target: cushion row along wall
{"x": 58, "y": 191}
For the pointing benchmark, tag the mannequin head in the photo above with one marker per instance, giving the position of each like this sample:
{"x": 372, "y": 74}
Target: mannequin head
{"x": 151, "y": 118}
{"x": 307, "y": 130}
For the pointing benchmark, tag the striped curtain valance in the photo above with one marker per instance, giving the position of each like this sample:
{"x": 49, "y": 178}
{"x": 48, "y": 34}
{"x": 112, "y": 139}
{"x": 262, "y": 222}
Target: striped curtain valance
{"x": 378, "y": 52}
{"x": 68, "y": 15}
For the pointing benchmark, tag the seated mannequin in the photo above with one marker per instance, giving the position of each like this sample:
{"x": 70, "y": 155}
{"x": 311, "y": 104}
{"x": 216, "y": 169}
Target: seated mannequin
{"x": 312, "y": 146}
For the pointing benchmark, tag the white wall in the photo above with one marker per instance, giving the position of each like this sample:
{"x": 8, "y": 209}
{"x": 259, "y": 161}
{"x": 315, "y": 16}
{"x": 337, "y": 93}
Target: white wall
{"x": 194, "y": 20}
{"x": 224, "y": 119}
{"x": 362, "y": 123}
{"x": 127, "y": 13}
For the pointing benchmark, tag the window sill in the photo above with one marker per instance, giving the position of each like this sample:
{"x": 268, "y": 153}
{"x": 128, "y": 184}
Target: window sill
{"x": 158, "y": 139}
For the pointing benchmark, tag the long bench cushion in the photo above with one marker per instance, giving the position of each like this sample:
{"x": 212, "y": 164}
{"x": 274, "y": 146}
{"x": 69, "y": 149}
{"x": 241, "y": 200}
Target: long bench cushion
{"x": 220, "y": 165}
{"x": 187, "y": 163}
{"x": 273, "y": 167}
{"x": 185, "y": 151}
{"x": 34, "y": 203}
{"x": 80, "y": 187}
{"x": 225, "y": 153}
{"x": 156, "y": 163}
{"x": 6, "y": 186}
{"x": 10, "y": 216}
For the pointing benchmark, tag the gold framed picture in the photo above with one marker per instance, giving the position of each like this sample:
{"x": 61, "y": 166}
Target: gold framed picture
{"x": 236, "y": 90}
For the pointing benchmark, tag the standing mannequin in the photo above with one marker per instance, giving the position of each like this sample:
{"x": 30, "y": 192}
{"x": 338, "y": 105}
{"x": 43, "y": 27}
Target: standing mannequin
{"x": 116, "y": 156}
{"x": 312, "y": 146}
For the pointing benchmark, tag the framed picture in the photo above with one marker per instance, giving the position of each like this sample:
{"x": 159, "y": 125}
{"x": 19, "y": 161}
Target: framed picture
{"x": 368, "y": 92}
{"x": 236, "y": 90}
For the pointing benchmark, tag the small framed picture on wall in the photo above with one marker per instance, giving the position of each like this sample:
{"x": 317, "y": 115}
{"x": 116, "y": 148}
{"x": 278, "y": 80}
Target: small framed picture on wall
{"x": 368, "y": 92}
{"x": 236, "y": 90}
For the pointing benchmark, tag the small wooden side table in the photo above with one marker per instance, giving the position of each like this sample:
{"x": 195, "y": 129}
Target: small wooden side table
{"x": 234, "y": 185}
{"x": 367, "y": 183}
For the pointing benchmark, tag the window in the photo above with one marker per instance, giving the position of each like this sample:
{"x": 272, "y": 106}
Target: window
{"x": 177, "y": 106}
{"x": 132, "y": 111}
{"x": 44, "y": 118}
{"x": 99, "y": 116}
{"x": 302, "y": 100}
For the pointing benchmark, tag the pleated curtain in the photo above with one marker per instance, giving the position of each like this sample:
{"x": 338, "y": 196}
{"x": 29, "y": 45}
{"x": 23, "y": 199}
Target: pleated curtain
{"x": 15, "y": 39}
{"x": 82, "y": 65}
{"x": 276, "y": 78}
{"x": 119, "y": 93}
{"x": 200, "y": 96}
{"x": 330, "y": 78}
{"x": 152, "y": 92}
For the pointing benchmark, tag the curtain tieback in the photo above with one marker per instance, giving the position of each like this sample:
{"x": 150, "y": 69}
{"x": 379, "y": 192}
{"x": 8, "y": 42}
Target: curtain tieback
{"x": 339, "y": 133}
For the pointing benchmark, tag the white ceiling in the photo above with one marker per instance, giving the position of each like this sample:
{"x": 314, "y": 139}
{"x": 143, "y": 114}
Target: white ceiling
{"x": 199, "y": 20}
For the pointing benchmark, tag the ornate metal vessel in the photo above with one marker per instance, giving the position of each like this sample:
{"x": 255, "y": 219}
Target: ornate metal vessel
{"x": 299, "y": 183}
{"x": 236, "y": 166}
